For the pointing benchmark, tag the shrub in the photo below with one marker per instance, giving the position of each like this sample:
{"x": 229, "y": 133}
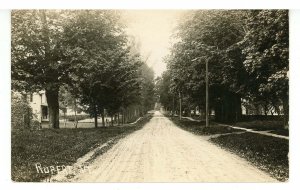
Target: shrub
{"x": 35, "y": 125}
{"x": 21, "y": 112}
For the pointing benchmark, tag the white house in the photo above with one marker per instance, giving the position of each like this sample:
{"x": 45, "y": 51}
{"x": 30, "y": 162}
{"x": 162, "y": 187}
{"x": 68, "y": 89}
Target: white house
{"x": 38, "y": 103}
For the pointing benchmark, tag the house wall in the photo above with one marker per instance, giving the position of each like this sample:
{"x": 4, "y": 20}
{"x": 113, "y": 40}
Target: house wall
{"x": 36, "y": 101}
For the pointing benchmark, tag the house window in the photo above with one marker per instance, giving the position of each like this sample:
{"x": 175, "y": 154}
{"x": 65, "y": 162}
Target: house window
{"x": 44, "y": 112}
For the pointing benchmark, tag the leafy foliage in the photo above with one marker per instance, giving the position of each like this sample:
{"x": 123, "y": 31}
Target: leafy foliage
{"x": 106, "y": 71}
{"x": 247, "y": 57}
{"x": 208, "y": 36}
{"x": 87, "y": 52}
{"x": 21, "y": 112}
{"x": 266, "y": 47}
{"x": 37, "y": 51}
{"x": 38, "y": 59}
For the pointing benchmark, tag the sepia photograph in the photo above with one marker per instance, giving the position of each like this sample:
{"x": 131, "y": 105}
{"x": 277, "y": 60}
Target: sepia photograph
{"x": 121, "y": 95}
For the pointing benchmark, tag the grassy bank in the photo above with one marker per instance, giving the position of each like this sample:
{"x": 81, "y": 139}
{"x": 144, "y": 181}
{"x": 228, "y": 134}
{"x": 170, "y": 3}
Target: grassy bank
{"x": 56, "y": 147}
{"x": 200, "y": 129}
{"x": 267, "y": 153}
{"x": 275, "y": 126}
{"x": 270, "y": 154}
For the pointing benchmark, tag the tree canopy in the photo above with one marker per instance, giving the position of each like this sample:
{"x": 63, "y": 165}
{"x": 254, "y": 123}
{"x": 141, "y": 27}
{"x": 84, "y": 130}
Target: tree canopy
{"x": 247, "y": 56}
{"x": 88, "y": 51}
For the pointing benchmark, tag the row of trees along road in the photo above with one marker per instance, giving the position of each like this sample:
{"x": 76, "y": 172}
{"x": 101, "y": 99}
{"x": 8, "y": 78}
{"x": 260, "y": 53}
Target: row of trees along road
{"x": 84, "y": 54}
{"x": 247, "y": 55}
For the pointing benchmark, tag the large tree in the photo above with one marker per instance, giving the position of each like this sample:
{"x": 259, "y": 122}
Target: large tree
{"x": 147, "y": 87}
{"x": 266, "y": 47}
{"x": 37, "y": 54}
{"x": 163, "y": 92}
{"x": 209, "y": 36}
{"x": 93, "y": 39}
{"x": 247, "y": 56}
{"x": 106, "y": 72}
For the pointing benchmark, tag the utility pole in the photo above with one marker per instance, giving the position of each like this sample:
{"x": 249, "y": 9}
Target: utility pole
{"x": 173, "y": 106}
{"x": 179, "y": 105}
{"x": 206, "y": 94}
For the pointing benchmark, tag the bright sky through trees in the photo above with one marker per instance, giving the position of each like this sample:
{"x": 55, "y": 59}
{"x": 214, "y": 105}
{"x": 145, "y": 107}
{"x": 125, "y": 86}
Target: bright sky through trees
{"x": 153, "y": 30}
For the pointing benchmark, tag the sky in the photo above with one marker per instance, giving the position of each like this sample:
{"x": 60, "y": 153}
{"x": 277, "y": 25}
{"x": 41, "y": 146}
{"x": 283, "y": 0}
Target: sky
{"x": 153, "y": 30}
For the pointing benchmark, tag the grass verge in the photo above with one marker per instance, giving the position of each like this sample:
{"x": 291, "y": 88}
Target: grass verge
{"x": 284, "y": 132}
{"x": 199, "y": 128}
{"x": 275, "y": 127}
{"x": 270, "y": 154}
{"x": 57, "y": 147}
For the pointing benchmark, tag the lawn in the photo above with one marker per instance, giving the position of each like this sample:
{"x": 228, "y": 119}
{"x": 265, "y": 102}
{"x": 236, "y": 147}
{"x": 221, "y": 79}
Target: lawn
{"x": 270, "y": 154}
{"x": 199, "y": 128}
{"x": 275, "y": 127}
{"x": 57, "y": 147}
{"x": 267, "y": 153}
{"x": 70, "y": 124}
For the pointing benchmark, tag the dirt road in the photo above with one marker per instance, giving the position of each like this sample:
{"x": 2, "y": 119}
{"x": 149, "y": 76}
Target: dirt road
{"x": 162, "y": 152}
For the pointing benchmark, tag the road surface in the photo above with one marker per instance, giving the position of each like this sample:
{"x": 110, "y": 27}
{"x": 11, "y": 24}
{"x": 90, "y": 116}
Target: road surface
{"x": 162, "y": 152}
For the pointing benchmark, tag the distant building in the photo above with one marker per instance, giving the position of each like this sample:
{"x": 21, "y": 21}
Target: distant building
{"x": 251, "y": 109}
{"x": 38, "y": 103}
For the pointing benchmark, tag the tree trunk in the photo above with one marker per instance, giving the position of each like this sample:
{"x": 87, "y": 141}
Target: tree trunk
{"x": 173, "y": 106}
{"x": 257, "y": 112}
{"x": 65, "y": 119}
{"x": 53, "y": 105}
{"x": 130, "y": 115}
{"x": 112, "y": 120}
{"x": 51, "y": 91}
{"x": 277, "y": 110}
{"x": 102, "y": 116}
{"x": 95, "y": 116}
{"x": 266, "y": 109}
{"x": 272, "y": 112}
{"x": 75, "y": 114}
{"x": 127, "y": 118}
{"x": 238, "y": 108}
{"x": 118, "y": 118}
{"x": 180, "y": 111}
{"x": 96, "y": 121}
{"x": 123, "y": 117}
{"x": 229, "y": 108}
{"x": 286, "y": 113}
